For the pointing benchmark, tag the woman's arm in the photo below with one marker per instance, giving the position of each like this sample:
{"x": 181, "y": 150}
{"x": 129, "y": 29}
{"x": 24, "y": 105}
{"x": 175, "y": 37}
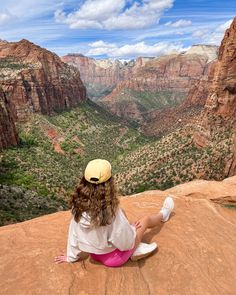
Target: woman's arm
{"x": 73, "y": 251}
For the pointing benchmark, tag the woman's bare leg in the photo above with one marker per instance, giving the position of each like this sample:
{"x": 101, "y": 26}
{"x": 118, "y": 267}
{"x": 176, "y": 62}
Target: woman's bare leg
{"x": 145, "y": 223}
{"x": 153, "y": 220}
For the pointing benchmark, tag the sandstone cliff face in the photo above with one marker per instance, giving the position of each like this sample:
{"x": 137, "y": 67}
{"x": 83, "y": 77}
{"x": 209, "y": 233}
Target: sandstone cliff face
{"x": 220, "y": 108}
{"x": 99, "y": 76}
{"x": 196, "y": 252}
{"x": 8, "y": 135}
{"x": 36, "y": 80}
{"x": 222, "y": 97}
{"x": 165, "y": 81}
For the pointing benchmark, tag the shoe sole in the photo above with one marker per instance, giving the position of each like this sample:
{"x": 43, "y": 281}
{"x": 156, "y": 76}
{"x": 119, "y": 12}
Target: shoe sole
{"x": 140, "y": 256}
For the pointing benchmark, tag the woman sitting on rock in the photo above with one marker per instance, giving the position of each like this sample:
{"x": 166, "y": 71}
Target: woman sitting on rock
{"x": 100, "y": 227}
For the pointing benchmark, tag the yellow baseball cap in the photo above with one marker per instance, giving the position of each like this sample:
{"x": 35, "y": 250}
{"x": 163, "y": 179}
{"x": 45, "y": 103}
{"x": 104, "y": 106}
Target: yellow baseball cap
{"x": 97, "y": 171}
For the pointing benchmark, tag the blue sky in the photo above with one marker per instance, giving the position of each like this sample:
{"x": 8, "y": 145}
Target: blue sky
{"x": 118, "y": 29}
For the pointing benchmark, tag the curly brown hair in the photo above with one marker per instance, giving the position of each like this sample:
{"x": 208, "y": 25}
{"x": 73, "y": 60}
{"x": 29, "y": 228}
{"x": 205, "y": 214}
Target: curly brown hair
{"x": 99, "y": 201}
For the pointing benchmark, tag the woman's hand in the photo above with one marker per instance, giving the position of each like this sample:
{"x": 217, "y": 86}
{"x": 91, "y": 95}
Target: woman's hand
{"x": 60, "y": 259}
{"x": 137, "y": 224}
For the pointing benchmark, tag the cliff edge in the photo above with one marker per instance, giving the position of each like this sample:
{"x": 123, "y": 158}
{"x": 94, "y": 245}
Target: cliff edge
{"x": 196, "y": 253}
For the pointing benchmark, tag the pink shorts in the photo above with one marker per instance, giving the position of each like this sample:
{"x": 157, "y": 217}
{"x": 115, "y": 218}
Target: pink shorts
{"x": 113, "y": 259}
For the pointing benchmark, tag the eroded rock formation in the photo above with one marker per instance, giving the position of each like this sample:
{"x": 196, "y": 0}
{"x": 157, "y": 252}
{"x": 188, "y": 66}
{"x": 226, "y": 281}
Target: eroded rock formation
{"x": 36, "y": 80}
{"x": 196, "y": 249}
{"x": 162, "y": 82}
{"x": 219, "y": 113}
{"x": 101, "y": 76}
{"x": 8, "y": 135}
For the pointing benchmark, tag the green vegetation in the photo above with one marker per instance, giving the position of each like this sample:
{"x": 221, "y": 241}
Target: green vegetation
{"x": 150, "y": 100}
{"x": 11, "y": 63}
{"x": 172, "y": 160}
{"x": 230, "y": 206}
{"x": 83, "y": 133}
{"x": 156, "y": 99}
{"x": 97, "y": 91}
{"x": 19, "y": 204}
{"x": 54, "y": 150}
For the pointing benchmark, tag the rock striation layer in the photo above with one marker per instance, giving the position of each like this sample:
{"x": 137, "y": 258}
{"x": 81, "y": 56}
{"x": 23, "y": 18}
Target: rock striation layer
{"x": 219, "y": 112}
{"x": 101, "y": 76}
{"x": 8, "y": 135}
{"x": 36, "y": 80}
{"x": 196, "y": 252}
{"x": 105, "y": 72}
{"x": 162, "y": 82}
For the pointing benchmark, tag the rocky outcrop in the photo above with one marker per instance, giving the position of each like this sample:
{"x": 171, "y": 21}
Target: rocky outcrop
{"x": 197, "y": 250}
{"x": 222, "y": 97}
{"x": 220, "y": 108}
{"x": 8, "y": 135}
{"x": 162, "y": 82}
{"x": 36, "y": 80}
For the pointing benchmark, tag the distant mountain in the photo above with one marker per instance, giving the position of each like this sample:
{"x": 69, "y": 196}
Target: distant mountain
{"x": 100, "y": 76}
{"x": 160, "y": 83}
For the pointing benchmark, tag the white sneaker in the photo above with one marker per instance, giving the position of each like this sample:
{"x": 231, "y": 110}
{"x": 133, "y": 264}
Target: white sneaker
{"x": 167, "y": 208}
{"x": 143, "y": 250}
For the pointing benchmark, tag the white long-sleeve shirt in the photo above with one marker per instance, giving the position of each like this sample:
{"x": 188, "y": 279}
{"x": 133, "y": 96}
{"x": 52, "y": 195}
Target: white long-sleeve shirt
{"x": 83, "y": 237}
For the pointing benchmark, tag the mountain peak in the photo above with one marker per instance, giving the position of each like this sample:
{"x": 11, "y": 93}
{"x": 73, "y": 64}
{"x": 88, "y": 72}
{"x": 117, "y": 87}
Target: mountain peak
{"x": 210, "y": 51}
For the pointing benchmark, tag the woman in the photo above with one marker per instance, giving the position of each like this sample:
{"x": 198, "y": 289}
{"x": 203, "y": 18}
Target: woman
{"x": 100, "y": 227}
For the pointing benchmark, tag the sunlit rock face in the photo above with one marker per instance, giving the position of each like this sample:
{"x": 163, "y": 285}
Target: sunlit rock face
{"x": 36, "y": 80}
{"x": 101, "y": 76}
{"x": 161, "y": 82}
{"x": 197, "y": 246}
{"x": 8, "y": 135}
{"x": 220, "y": 108}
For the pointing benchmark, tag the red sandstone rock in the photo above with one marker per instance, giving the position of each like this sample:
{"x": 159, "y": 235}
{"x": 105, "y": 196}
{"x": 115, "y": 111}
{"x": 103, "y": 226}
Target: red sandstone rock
{"x": 196, "y": 249}
{"x": 8, "y": 135}
{"x": 40, "y": 82}
{"x": 221, "y": 101}
{"x": 224, "y": 84}
{"x": 103, "y": 72}
{"x": 175, "y": 74}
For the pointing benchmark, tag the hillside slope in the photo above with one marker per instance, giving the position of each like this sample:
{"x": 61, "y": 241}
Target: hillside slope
{"x": 196, "y": 252}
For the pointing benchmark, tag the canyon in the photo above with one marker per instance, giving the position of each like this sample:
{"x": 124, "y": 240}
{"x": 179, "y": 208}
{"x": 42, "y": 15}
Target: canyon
{"x": 185, "y": 101}
{"x": 161, "y": 83}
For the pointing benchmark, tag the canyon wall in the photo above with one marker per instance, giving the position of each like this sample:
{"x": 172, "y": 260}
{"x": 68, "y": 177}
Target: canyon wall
{"x": 219, "y": 114}
{"x": 102, "y": 75}
{"x": 105, "y": 72}
{"x": 161, "y": 82}
{"x": 34, "y": 79}
{"x": 8, "y": 135}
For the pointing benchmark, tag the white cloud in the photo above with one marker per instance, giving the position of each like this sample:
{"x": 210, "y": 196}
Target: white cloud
{"x": 4, "y": 17}
{"x": 110, "y": 14}
{"x": 179, "y": 23}
{"x": 222, "y": 28}
{"x": 213, "y": 37}
{"x": 133, "y": 50}
{"x": 102, "y": 44}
